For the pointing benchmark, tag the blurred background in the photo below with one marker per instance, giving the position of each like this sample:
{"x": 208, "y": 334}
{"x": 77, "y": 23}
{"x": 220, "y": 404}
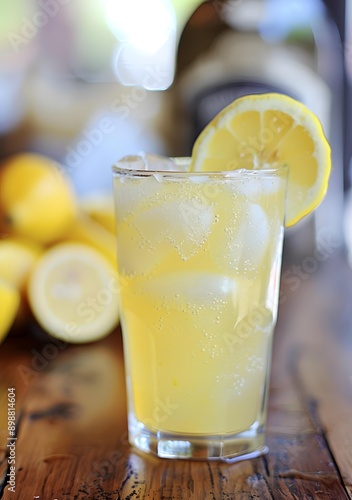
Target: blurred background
{"x": 88, "y": 81}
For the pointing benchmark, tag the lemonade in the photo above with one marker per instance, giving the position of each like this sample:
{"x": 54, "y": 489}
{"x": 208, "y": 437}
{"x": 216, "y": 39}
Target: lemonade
{"x": 199, "y": 245}
{"x": 199, "y": 258}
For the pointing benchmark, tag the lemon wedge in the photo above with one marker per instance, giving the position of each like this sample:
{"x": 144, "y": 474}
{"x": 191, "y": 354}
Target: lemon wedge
{"x": 268, "y": 131}
{"x": 73, "y": 293}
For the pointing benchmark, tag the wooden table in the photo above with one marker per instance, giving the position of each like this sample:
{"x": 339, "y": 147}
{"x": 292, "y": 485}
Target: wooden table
{"x": 71, "y": 414}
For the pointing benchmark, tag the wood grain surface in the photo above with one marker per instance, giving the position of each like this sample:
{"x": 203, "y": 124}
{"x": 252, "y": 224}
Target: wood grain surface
{"x": 71, "y": 415}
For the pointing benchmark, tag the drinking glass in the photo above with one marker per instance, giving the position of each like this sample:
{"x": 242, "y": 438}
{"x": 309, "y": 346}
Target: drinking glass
{"x": 199, "y": 258}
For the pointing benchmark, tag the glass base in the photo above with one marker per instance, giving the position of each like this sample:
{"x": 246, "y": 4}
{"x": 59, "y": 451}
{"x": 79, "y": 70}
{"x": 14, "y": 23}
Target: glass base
{"x": 226, "y": 447}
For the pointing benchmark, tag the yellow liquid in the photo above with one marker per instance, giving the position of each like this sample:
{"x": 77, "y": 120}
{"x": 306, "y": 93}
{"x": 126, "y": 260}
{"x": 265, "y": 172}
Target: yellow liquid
{"x": 199, "y": 267}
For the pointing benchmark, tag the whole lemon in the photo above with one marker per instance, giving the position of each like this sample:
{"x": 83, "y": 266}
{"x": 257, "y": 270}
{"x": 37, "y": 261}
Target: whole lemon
{"x": 17, "y": 257}
{"x": 10, "y": 301}
{"x": 36, "y": 199}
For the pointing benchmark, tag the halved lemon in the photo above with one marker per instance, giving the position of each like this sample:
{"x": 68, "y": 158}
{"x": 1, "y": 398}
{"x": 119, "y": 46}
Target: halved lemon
{"x": 73, "y": 293}
{"x": 268, "y": 131}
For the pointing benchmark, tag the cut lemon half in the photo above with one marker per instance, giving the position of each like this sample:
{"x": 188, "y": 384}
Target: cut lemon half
{"x": 268, "y": 131}
{"x": 73, "y": 293}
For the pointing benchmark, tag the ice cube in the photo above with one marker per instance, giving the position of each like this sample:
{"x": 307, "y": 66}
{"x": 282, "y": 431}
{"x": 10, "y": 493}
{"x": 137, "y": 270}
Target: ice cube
{"x": 199, "y": 179}
{"x": 132, "y": 191}
{"x": 159, "y": 162}
{"x": 134, "y": 254}
{"x": 254, "y": 234}
{"x": 243, "y": 241}
{"x": 255, "y": 186}
{"x": 147, "y": 161}
{"x": 194, "y": 288}
{"x": 273, "y": 185}
{"x": 185, "y": 225}
{"x": 132, "y": 162}
{"x": 131, "y": 194}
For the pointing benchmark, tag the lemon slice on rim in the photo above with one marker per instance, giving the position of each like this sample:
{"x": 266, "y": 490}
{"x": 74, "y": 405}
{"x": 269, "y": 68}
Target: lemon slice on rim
{"x": 73, "y": 293}
{"x": 268, "y": 131}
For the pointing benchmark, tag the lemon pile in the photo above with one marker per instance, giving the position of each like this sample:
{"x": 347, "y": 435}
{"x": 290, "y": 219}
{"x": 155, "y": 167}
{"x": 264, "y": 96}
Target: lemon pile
{"x": 57, "y": 253}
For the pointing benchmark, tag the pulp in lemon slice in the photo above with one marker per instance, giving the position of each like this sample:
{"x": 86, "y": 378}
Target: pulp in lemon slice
{"x": 267, "y": 131}
{"x": 73, "y": 293}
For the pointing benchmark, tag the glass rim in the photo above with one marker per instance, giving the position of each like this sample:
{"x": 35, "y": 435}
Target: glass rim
{"x": 238, "y": 173}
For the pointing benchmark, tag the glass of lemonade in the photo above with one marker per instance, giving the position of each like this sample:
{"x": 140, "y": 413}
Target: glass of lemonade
{"x": 199, "y": 257}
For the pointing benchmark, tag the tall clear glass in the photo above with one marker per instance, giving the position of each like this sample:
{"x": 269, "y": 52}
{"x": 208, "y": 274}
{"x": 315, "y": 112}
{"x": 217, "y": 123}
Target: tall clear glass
{"x": 199, "y": 257}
